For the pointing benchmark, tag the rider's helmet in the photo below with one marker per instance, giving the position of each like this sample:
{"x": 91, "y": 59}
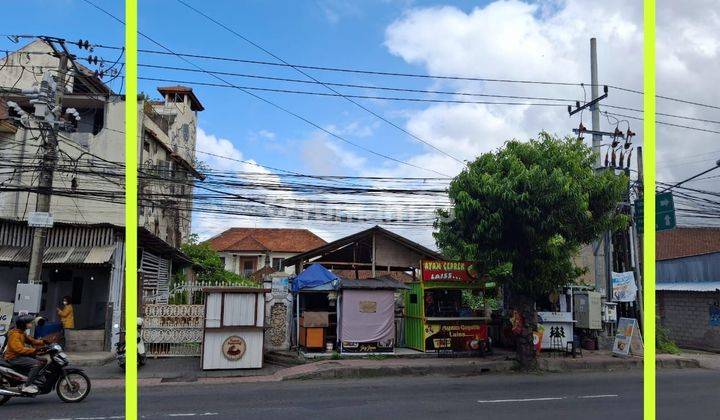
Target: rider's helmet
{"x": 22, "y": 322}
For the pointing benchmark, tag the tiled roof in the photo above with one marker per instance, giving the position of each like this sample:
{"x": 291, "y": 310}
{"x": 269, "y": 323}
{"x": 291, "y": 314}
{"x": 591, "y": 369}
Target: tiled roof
{"x": 686, "y": 242}
{"x": 265, "y": 239}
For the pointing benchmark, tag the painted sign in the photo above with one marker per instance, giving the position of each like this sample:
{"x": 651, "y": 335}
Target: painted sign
{"x": 624, "y": 288}
{"x": 628, "y": 339}
{"x": 40, "y": 219}
{"x": 233, "y": 348}
{"x": 557, "y": 329}
{"x": 456, "y": 337}
{"x": 280, "y": 286}
{"x": 460, "y": 271}
{"x": 387, "y": 346}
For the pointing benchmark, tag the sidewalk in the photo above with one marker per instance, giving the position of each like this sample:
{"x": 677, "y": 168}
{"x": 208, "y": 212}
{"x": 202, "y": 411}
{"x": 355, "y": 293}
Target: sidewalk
{"x": 181, "y": 371}
{"x": 690, "y": 358}
{"x": 184, "y": 370}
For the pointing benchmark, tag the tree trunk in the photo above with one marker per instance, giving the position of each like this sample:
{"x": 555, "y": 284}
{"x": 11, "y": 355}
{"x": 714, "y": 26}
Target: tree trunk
{"x": 523, "y": 329}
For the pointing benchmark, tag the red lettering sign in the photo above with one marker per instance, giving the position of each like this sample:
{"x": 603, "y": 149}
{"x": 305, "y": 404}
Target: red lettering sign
{"x": 460, "y": 271}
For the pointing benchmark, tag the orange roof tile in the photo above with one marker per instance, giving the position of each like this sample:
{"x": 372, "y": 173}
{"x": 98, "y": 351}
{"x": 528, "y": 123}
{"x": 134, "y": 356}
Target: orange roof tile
{"x": 686, "y": 242}
{"x": 265, "y": 239}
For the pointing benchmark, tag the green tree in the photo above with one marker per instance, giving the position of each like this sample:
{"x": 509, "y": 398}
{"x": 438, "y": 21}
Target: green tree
{"x": 208, "y": 265}
{"x": 523, "y": 212}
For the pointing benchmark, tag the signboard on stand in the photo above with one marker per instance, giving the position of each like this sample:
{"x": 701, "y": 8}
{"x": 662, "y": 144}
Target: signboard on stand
{"x": 628, "y": 339}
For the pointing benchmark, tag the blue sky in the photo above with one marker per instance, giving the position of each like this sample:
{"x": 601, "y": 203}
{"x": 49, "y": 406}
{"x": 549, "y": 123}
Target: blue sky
{"x": 539, "y": 40}
{"x": 62, "y": 19}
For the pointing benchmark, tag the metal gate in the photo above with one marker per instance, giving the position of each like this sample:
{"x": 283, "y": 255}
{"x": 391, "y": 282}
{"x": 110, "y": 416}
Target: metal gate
{"x": 173, "y": 330}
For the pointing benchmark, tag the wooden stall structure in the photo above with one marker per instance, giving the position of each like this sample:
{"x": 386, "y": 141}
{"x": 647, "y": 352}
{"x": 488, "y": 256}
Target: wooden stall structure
{"x": 233, "y": 333}
{"x": 441, "y": 315}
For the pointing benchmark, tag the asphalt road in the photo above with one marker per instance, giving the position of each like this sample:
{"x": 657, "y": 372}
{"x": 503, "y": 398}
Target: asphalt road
{"x": 687, "y": 394}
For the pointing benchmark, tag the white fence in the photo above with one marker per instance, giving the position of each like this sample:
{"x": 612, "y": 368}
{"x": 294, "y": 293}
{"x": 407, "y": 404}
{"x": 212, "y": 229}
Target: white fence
{"x": 173, "y": 330}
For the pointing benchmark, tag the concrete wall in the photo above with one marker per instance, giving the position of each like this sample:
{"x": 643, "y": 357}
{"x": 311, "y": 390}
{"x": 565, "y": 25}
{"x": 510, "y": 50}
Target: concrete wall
{"x": 686, "y": 315}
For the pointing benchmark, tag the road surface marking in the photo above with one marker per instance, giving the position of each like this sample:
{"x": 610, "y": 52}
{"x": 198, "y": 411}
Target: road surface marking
{"x": 520, "y": 400}
{"x": 599, "y": 396}
{"x": 192, "y": 414}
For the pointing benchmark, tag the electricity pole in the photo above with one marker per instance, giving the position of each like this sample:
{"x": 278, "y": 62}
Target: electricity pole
{"x": 637, "y": 243}
{"x": 596, "y": 137}
{"x": 49, "y": 125}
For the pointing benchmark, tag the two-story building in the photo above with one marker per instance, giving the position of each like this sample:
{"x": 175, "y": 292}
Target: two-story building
{"x": 84, "y": 252}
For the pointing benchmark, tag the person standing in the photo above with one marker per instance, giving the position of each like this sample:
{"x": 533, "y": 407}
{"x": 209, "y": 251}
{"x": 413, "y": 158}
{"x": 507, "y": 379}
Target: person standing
{"x": 67, "y": 317}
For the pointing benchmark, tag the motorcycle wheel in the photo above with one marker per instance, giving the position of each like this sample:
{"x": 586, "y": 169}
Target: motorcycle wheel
{"x": 73, "y": 388}
{"x": 141, "y": 360}
{"x": 4, "y": 399}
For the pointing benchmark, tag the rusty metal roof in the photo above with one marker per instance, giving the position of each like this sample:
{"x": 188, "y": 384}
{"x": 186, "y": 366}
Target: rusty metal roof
{"x": 93, "y": 255}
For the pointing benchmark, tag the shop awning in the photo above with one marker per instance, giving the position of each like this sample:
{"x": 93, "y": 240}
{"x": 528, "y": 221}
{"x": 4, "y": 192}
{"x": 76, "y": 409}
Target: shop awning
{"x": 314, "y": 276}
{"x": 70, "y": 255}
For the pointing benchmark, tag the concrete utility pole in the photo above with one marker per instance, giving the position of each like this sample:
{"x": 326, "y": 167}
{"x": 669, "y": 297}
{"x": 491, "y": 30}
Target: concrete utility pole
{"x": 637, "y": 248}
{"x": 596, "y": 138}
{"x": 49, "y": 124}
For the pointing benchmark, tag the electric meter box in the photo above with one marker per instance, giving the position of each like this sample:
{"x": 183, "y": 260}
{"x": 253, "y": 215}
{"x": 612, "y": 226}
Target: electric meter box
{"x": 28, "y": 297}
{"x": 588, "y": 310}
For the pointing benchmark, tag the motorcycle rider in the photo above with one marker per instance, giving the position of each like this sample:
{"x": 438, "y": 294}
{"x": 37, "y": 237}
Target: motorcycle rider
{"x": 21, "y": 351}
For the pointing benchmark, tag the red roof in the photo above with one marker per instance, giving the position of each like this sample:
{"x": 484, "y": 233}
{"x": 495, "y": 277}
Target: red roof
{"x": 265, "y": 239}
{"x": 686, "y": 242}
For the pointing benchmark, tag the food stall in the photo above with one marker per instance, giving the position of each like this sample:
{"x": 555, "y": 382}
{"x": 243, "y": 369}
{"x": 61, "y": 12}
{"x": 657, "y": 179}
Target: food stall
{"x": 315, "y": 290}
{"x": 367, "y": 315}
{"x": 233, "y": 333}
{"x": 447, "y": 310}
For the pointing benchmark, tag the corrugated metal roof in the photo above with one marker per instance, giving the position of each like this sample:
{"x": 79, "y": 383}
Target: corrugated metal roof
{"x": 689, "y": 286}
{"x": 60, "y": 255}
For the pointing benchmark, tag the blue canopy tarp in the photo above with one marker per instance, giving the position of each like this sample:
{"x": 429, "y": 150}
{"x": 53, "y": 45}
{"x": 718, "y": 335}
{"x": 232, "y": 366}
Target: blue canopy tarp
{"x": 312, "y": 277}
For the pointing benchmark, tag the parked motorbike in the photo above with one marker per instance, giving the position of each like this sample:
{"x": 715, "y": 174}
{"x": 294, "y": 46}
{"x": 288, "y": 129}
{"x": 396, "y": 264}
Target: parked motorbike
{"x": 71, "y": 384}
{"x": 120, "y": 346}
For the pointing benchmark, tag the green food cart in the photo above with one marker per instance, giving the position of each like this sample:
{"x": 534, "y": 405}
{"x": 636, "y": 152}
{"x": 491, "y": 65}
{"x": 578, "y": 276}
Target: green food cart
{"x": 447, "y": 310}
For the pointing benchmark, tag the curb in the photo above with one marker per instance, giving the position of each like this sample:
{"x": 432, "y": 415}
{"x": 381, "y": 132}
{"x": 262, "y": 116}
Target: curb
{"x": 678, "y": 363}
{"x": 357, "y": 372}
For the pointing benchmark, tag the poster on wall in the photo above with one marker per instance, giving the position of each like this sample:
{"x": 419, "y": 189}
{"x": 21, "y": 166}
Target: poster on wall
{"x": 453, "y": 271}
{"x": 455, "y": 337}
{"x": 715, "y": 315}
{"x": 6, "y": 314}
{"x": 624, "y": 288}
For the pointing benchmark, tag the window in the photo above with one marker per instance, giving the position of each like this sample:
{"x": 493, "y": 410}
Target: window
{"x": 146, "y": 146}
{"x": 247, "y": 268}
{"x": 277, "y": 264}
{"x": 222, "y": 262}
{"x": 413, "y": 298}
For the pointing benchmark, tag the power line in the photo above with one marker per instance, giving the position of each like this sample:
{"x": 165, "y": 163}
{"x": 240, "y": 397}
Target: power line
{"x": 275, "y": 56}
{"x": 665, "y": 123}
{"x": 296, "y": 115}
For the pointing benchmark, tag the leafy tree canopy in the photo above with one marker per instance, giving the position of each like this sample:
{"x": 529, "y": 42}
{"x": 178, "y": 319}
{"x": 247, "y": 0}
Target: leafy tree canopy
{"x": 208, "y": 265}
{"x": 523, "y": 212}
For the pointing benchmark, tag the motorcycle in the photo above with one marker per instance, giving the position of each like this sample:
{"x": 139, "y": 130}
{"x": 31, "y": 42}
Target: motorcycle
{"x": 120, "y": 346}
{"x": 71, "y": 384}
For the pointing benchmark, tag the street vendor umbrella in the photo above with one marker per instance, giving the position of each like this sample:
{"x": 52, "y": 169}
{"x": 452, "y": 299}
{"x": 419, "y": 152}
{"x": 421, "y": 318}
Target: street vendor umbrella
{"x": 313, "y": 276}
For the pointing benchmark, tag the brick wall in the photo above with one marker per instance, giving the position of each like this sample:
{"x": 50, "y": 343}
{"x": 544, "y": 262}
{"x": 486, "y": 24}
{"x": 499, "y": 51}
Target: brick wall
{"x": 686, "y": 316}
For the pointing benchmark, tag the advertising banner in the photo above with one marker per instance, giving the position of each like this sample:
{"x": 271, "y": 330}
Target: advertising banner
{"x": 6, "y": 314}
{"x": 459, "y": 271}
{"x": 457, "y": 337}
{"x": 624, "y": 288}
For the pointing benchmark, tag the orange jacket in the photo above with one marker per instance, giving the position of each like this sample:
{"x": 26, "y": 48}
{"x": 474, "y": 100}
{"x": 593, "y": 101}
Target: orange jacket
{"x": 67, "y": 316}
{"x": 20, "y": 344}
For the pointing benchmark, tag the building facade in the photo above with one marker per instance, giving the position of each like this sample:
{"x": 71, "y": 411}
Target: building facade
{"x": 688, "y": 286}
{"x": 245, "y": 251}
